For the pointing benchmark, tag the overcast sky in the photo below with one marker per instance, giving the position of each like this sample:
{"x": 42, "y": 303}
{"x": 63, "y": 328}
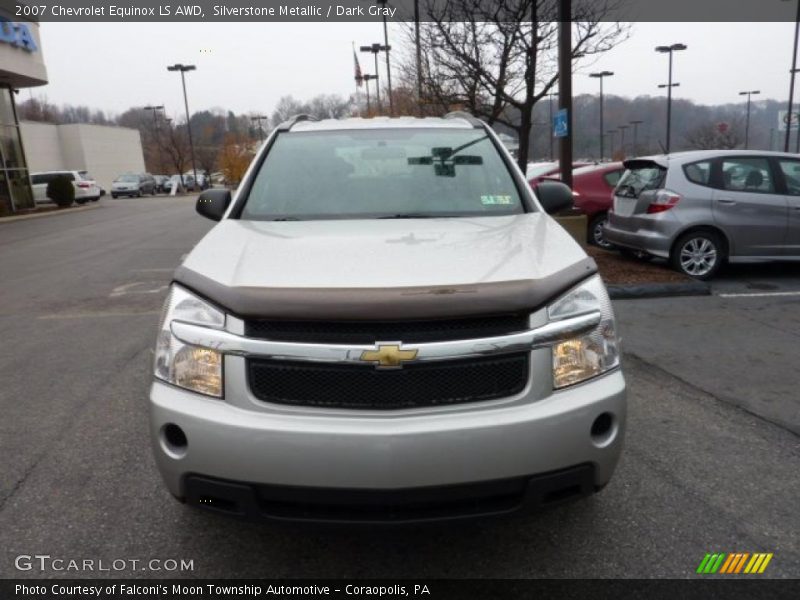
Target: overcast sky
{"x": 248, "y": 67}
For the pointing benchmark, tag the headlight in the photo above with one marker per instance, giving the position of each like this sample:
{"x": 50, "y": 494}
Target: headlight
{"x": 585, "y": 357}
{"x": 191, "y": 367}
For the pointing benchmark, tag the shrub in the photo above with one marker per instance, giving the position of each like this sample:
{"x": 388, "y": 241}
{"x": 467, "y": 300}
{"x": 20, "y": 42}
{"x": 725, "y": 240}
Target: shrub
{"x": 60, "y": 191}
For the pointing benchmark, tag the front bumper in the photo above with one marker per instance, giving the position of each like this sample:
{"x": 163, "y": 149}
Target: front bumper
{"x": 346, "y": 451}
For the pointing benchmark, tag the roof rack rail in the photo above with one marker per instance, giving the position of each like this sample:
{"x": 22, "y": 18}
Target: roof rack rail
{"x": 461, "y": 114}
{"x": 290, "y": 122}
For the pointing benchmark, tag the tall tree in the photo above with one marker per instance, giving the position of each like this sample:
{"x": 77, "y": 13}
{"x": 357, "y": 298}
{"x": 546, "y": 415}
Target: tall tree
{"x": 498, "y": 58}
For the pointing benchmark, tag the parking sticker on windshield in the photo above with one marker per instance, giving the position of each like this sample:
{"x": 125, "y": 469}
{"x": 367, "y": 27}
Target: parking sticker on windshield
{"x": 489, "y": 200}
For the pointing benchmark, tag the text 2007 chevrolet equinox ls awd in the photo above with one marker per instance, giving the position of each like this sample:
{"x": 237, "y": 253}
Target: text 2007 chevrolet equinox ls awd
{"x": 386, "y": 326}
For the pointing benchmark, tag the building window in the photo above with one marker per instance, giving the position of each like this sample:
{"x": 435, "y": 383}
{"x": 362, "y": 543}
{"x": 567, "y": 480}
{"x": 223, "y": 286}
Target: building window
{"x": 15, "y": 188}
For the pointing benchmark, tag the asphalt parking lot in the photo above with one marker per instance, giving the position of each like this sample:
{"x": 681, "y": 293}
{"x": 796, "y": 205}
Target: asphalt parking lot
{"x": 711, "y": 460}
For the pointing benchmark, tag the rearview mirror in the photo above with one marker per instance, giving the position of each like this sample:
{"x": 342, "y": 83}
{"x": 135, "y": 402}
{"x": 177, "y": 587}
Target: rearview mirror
{"x": 554, "y": 196}
{"x": 212, "y": 204}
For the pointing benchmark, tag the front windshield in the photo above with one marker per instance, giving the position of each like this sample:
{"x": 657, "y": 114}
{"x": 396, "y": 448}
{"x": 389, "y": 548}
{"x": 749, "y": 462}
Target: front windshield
{"x": 128, "y": 178}
{"x": 382, "y": 173}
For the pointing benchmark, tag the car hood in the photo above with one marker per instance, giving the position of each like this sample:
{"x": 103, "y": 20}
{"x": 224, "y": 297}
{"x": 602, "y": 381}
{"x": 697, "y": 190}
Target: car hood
{"x": 390, "y": 268}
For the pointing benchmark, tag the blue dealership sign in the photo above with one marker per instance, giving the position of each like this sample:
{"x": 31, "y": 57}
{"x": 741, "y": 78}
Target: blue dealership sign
{"x": 560, "y": 124}
{"x": 17, "y": 34}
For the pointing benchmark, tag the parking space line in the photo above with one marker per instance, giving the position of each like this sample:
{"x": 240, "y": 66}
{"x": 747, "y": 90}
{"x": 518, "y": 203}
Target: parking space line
{"x": 759, "y": 294}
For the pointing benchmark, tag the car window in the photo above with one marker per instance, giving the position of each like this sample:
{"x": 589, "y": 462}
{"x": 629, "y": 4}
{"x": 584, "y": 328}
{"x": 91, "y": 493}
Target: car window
{"x": 612, "y": 177}
{"x": 698, "y": 172}
{"x": 747, "y": 175}
{"x": 640, "y": 177}
{"x": 791, "y": 173}
{"x": 382, "y": 173}
{"x": 35, "y": 179}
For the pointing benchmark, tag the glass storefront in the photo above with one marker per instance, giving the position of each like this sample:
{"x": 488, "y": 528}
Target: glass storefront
{"x": 15, "y": 189}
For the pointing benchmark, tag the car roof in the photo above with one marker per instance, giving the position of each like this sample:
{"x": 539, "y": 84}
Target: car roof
{"x": 382, "y": 123}
{"x": 686, "y": 156}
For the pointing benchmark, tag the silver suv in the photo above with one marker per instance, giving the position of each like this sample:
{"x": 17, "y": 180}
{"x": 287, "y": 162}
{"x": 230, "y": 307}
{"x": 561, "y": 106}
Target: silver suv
{"x": 386, "y": 325}
{"x": 699, "y": 209}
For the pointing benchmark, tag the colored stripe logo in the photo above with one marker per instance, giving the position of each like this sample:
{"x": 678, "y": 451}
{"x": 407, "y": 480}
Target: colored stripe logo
{"x": 734, "y": 563}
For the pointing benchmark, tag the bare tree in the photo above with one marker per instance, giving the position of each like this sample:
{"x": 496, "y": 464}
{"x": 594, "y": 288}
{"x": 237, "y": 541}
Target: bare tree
{"x": 498, "y": 58}
{"x": 175, "y": 144}
{"x": 716, "y": 136}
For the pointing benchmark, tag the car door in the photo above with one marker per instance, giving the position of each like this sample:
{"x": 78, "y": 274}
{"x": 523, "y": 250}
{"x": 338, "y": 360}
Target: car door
{"x": 748, "y": 206}
{"x": 39, "y": 186}
{"x": 790, "y": 169}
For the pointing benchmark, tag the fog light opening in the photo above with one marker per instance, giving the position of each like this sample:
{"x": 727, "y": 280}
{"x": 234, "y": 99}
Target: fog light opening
{"x": 604, "y": 429}
{"x": 174, "y": 441}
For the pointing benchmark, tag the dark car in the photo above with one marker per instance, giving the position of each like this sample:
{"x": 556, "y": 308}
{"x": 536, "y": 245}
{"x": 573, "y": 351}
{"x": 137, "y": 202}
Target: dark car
{"x": 133, "y": 184}
{"x": 160, "y": 180}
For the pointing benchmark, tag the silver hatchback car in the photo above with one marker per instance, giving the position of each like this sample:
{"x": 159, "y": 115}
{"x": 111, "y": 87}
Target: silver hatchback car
{"x": 699, "y": 209}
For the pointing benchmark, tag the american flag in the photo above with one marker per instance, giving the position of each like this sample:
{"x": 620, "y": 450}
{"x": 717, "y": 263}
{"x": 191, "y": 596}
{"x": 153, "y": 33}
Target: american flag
{"x": 359, "y": 76}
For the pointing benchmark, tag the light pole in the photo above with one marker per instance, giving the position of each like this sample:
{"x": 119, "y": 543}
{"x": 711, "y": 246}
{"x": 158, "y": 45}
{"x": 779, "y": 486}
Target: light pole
{"x": 791, "y": 82}
{"x": 155, "y": 110}
{"x": 622, "y": 129}
{"x": 669, "y": 50}
{"x": 611, "y": 133}
{"x": 635, "y": 135}
{"x": 183, "y": 69}
{"x": 375, "y": 48}
{"x": 367, "y": 79}
{"x": 747, "y": 121}
{"x": 388, "y": 65}
{"x": 258, "y": 119}
{"x": 602, "y": 75}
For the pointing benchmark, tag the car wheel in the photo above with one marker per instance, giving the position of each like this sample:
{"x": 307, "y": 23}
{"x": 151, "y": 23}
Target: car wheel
{"x": 138, "y": 193}
{"x": 698, "y": 254}
{"x": 113, "y": 195}
{"x": 596, "y": 234}
{"x": 636, "y": 254}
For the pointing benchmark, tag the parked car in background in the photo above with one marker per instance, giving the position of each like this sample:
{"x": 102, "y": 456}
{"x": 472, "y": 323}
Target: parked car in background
{"x": 133, "y": 184}
{"x": 593, "y": 190}
{"x": 85, "y": 188}
{"x": 698, "y": 209}
{"x": 537, "y": 172}
{"x": 160, "y": 180}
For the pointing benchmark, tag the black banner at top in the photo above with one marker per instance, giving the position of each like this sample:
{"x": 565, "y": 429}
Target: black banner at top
{"x": 145, "y": 11}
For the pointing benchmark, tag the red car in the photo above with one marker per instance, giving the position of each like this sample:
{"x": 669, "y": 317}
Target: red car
{"x": 593, "y": 188}
{"x": 540, "y": 171}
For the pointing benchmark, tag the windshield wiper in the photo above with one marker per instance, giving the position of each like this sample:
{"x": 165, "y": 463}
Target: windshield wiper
{"x": 412, "y": 215}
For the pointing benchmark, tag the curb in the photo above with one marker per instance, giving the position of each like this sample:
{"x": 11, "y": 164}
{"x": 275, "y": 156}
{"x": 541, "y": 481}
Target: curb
{"x": 658, "y": 290}
{"x": 49, "y": 213}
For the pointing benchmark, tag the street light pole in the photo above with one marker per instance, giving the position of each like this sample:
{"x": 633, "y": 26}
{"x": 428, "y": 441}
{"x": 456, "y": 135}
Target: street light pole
{"x": 419, "y": 55}
{"x": 258, "y": 119}
{"x": 622, "y": 129}
{"x": 601, "y": 75}
{"x": 374, "y": 49}
{"x": 155, "y": 110}
{"x": 611, "y": 133}
{"x": 670, "y": 50}
{"x": 747, "y": 121}
{"x": 791, "y": 82}
{"x": 635, "y": 135}
{"x": 183, "y": 69}
{"x": 367, "y": 79}
{"x": 388, "y": 65}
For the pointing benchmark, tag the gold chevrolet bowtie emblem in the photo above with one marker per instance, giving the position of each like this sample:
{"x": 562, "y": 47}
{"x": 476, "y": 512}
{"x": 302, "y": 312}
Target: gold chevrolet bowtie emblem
{"x": 388, "y": 356}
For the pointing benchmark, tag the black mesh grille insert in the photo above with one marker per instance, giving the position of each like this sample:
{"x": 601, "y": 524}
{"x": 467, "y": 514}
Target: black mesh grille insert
{"x": 369, "y": 332}
{"x": 415, "y": 385}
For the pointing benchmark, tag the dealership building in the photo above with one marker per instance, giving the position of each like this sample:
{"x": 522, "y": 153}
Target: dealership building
{"x": 24, "y": 147}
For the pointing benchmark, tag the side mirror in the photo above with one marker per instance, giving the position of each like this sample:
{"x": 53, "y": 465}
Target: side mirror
{"x": 212, "y": 204}
{"x": 554, "y": 196}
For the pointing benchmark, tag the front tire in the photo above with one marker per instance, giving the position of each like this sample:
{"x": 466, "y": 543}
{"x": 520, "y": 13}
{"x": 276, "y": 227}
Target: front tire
{"x": 114, "y": 196}
{"x": 698, "y": 254}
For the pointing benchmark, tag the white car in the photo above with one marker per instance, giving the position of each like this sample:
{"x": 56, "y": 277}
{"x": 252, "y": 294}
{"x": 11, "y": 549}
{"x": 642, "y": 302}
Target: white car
{"x": 86, "y": 189}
